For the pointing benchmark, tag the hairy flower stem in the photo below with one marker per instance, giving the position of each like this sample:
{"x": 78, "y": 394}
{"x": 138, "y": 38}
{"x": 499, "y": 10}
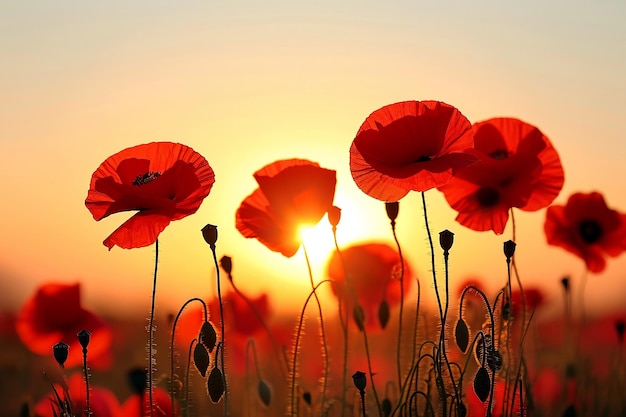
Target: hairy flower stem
{"x": 151, "y": 359}
{"x": 219, "y": 297}
{"x": 399, "y": 344}
{"x": 206, "y": 318}
{"x": 369, "y": 368}
{"x": 294, "y": 367}
{"x": 322, "y": 330}
{"x": 191, "y": 345}
{"x": 344, "y": 323}
{"x": 88, "y": 412}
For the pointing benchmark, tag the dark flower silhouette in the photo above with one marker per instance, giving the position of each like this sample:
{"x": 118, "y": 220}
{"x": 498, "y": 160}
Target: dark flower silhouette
{"x": 586, "y": 227}
{"x": 411, "y": 145}
{"x": 163, "y": 181}
{"x": 374, "y": 276}
{"x": 518, "y": 167}
{"x": 54, "y": 314}
{"x": 292, "y": 193}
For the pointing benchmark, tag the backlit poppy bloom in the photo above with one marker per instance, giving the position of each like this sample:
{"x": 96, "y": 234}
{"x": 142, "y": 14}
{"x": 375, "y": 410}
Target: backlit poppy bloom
{"x": 586, "y": 227}
{"x": 292, "y": 193}
{"x": 163, "y": 181}
{"x": 374, "y": 276}
{"x": 411, "y": 145}
{"x": 54, "y": 314}
{"x": 103, "y": 403}
{"x": 518, "y": 167}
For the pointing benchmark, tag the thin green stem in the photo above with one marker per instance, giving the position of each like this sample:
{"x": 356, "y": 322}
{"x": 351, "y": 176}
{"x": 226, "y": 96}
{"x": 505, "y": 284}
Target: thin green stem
{"x": 399, "y": 344}
{"x": 344, "y": 322}
{"x": 88, "y": 412}
{"x": 219, "y": 297}
{"x": 369, "y": 368}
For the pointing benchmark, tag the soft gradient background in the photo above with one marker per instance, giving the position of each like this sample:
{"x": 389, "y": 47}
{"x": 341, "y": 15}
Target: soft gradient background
{"x": 246, "y": 83}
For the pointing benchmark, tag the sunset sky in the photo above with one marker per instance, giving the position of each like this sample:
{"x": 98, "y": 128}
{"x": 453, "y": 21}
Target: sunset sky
{"x": 246, "y": 83}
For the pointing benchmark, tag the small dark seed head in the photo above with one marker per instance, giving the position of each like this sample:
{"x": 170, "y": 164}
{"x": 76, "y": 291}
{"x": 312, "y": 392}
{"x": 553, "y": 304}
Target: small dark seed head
{"x": 620, "y": 327}
{"x": 83, "y": 338}
{"x": 509, "y": 249}
{"x": 60, "y": 352}
{"x": 360, "y": 380}
{"x": 392, "y": 210}
{"x": 227, "y": 264}
{"x": 565, "y": 283}
{"x": 209, "y": 232}
{"x": 446, "y": 239}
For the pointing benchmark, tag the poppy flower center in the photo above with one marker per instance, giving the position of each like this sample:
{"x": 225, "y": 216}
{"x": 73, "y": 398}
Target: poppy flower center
{"x": 423, "y": 158}
{"x": 145, "y": 178}
{"x": 590, "y": 231}
{"x": 487, "y": 197}
{"x": 499, "y": 154}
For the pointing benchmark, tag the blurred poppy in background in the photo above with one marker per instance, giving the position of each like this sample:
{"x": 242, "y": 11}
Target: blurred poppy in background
{"x": 103, "y": 403}
{"x": 373, "y": 271}
{"x": 161, "y": 405}
{"x": 586, "y": 227}
{"x": 518, "y": 167}
{"x": 410, "y": 146}
{"x": 292, "y": 193}
{"x": 55, "y": 314}
{"x": 162, "y": 181}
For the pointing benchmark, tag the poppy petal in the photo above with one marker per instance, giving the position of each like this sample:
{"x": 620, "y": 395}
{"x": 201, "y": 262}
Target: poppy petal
{"x": 139, "y": 231}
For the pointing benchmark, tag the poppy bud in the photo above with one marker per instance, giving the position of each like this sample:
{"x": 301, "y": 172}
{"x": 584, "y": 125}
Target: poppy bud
{"x": 60, "y": 352}
{"x": 482, "y": 384}
{"x": 215, "y": 385}
{"x": 383, "y": 314}
{"x": 83, "y": 338}
{"x": 201, "y": 358}
{"x": 307, "y": 397}
{"x": 209, "y": 232}
{"x": 138, "y": 380}
{"x": 265, "y": 394}
{"x": 334, "y": 216}
{"x": 360, "y": 380}
{"x": 208, "y": 336}
{"x": 509, "y": 249}
{"x": 359, "y": 317}
{"x": 446, "y": 239}
{"x": 565, "y": 283}
{"x": 392, "y": 210}
{"x": 227, "y": 264}
{"x": 385, "y": 407}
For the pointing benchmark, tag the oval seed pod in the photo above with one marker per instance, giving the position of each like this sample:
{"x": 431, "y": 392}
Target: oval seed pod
{"x": 265, "y": 394}
{"x": 201, "y": 359}
{"x": 215, "y": 385}
{"x": 461, "y": 335}
{"x": 482, "y": 384}
{"x": 60, "y": 352}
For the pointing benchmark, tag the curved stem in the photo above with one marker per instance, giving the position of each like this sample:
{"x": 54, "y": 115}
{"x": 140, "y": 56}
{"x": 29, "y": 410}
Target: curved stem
{"x": 399, "y": 344}
{"x": 187, "y": 377}
{"x": 344, "y": 323}
{"x": 219, "y": 296}
{"x": 151, "y": 359}
{"x": 322, "y": 330}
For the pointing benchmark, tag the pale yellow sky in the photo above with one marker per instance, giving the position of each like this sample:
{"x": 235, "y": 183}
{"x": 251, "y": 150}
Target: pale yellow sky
{"x": 245, "y": 84}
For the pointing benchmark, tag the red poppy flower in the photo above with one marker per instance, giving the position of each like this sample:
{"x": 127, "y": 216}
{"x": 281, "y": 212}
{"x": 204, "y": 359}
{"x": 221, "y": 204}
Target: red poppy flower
{"x": 586, "y": 227}
{"x": 161, "y": 405}
{"x": 518, "y": 167}
{"x": 103, "y": 403}
{"x": 292, "y": 193}
{"x": 534, "y": 298}
{"x": 163, "y": 181}
{"x": 412, "y": 145}
{"x": 374, "y": 270}
{"x": 54, "y": 314}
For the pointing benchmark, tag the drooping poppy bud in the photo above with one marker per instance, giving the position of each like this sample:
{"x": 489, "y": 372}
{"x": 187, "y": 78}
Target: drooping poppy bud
{"x": 265, "y": 394}
{"x": 227, "y": 264}
{"x": 209, "y": 232}
{"x": 306, "y": 396}
{"x": 482, "y": 384}
{"x": 60, "y": 352}
{"x": 509, "y": 249}
{"x": 208, "y": 335}
{"x": 620, "y": 327}
{"x": 83, "y": 338}
{"x": 461, "y": 335}
{"x": 446, "y": 239}
{"x": 565, "y": 283}
{"x": 360, "y": 380}
{"x": 359, "y": 317}
{"x": 334, "y": 216}
{"x": 215, "y": 385}
{"x": 383, "y": 314}
{"x": 392, "y": 210}
{"x": 201, "y": 358}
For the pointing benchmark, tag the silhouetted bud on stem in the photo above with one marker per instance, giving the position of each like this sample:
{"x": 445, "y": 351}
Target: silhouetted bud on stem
{"x": 209, "y": 232}
{"x": 392, "y": 210}
{"x": 60, "y": 352}
{"x": 359, "y": 317}
{"x": 307, "y": 397}
{"x": 334, "y": 216}
{"x": 83, "y": 338}
{"x": 620, "y": 327}
{"x": 565, "y": 283}
{"x": 360, "y": 380}
{"x": 509, "y": 249}
{"x": 227, "y": 264}
{"x": 446, "y": 239}
{"x": 138, "y": 380}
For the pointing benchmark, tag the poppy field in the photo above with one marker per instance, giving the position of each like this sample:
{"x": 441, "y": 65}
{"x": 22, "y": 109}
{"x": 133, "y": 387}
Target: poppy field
{"x": 389, "y": 341}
